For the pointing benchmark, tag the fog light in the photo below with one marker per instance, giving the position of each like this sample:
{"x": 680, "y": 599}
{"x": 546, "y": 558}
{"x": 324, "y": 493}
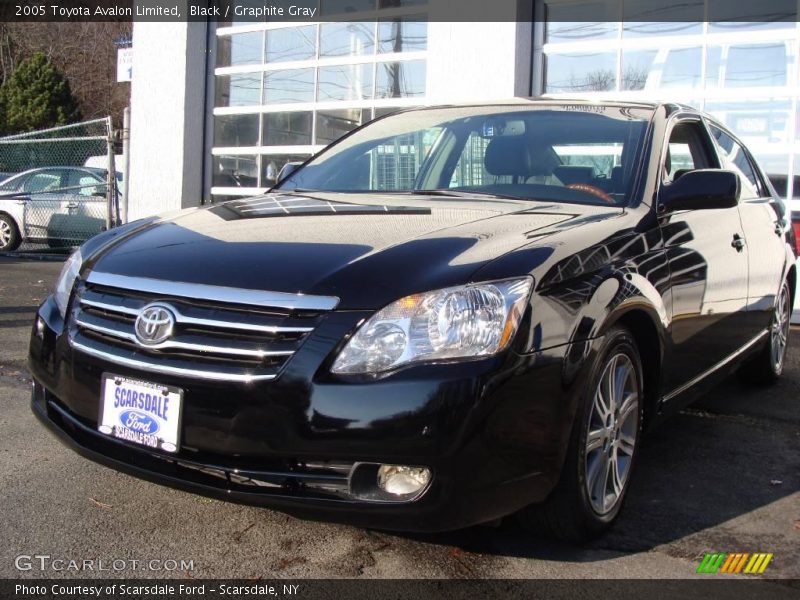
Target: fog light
{"x": 402, "y": 481}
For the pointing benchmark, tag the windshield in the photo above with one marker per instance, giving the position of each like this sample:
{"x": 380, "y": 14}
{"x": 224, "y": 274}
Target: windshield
{"x": 580, "y": 154}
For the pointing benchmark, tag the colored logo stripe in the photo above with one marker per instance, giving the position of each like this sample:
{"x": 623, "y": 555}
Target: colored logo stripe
{"x": 735, "y": 562}
{"x": 758, "y": 563}
{"x": 711, "y": 562}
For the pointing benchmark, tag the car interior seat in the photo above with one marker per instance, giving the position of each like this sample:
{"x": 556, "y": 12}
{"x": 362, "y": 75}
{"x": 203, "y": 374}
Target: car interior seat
{"x": 511, "y": 156}
{"x": 569, "y": 175}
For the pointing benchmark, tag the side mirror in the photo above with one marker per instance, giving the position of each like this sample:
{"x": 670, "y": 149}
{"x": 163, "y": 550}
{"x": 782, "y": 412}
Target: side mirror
{"x": 701, "y": 190}
{"x": 287, "y": 170}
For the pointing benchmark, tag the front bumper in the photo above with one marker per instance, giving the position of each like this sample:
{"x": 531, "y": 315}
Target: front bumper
{"x": 493, "y": 432}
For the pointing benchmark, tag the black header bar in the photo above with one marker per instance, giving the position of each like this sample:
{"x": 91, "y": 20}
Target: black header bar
{"x": 240, "y": 12}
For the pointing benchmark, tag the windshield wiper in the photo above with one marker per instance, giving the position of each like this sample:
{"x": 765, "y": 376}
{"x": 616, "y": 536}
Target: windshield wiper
{"x": 464, "y": 194}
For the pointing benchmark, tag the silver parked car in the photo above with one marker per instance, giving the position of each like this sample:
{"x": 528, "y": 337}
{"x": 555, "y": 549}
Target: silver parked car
{"x": 60, "y": 206}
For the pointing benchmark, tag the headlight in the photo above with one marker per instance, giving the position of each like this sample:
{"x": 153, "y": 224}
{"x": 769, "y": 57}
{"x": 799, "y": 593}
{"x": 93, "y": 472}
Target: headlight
{"x": 468, "y": 321}
{"x": 69, "y": 273}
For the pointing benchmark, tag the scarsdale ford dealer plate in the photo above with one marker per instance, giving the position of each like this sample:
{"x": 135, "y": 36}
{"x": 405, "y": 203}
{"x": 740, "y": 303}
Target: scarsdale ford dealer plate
{"x": 140, "y": 411}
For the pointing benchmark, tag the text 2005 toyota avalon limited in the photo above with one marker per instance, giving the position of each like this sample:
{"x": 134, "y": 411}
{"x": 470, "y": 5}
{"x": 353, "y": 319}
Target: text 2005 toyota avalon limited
{"x": 448, "y": 316}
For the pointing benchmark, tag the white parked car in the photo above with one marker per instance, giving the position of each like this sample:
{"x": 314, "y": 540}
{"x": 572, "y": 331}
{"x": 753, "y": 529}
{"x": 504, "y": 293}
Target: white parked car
{"x": 60, "y": 206}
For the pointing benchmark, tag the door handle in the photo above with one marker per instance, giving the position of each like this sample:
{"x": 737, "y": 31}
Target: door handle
{"x": 72, "y": 205}
{"x": 738, "y": 242}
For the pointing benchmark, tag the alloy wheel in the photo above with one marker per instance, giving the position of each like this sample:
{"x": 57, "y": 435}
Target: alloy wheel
{"x": 779, "y": 333}
{"x": 612, "y": 432}
{"x": 5, "y": 234}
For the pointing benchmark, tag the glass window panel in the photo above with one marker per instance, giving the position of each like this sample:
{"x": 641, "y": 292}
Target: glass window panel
{"x": 776, "y": 168}
{"x": 345, "y": 82}
{"x": 333, "y": 124}
{"x": 240, "y": 49}
{"x": 238, "y": 90}
{"x": 681, "y": 68}
{"x": 749, "y": 16}
{"x": 575, "y": 21}
{"x": 734, "y": 27}
{"x": 272, "y": 164}
{"x": 637, "y": 66}
{"x": 235, "y": 171}
{"x": 401, "y": 79}
{"x": 749, "y": 65}
{"x": 591, "y": 72}
{"x": 643, "y": 18}
{"x": 755, "y": 122}
{"x": 347, "y": 39}
{"x": 334, "y": 7}
{"x": 403, "y": 34}
{"x": 292, "y": 85}
{"x": 713, "y": 63}
{"x": 287, "y": 129}
{"x": 757, "y": 65}
{"x": 236, "y": 130}
{"x": 291, "y": 43}
{"x": 647, "y": 29}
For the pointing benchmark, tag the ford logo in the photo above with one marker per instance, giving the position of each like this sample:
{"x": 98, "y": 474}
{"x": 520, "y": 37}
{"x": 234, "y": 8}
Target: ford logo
{"x": 138, "y": 421}
{"x": 154, "y": 324}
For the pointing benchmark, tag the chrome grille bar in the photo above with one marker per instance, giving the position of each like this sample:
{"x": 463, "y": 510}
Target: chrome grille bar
{"x": 215, "y": 293}
{"x": 162, "y": 367}
{"x": 219, "y": 333}
{"x": 189, "y": 320}
{"x": 231, "y": 348}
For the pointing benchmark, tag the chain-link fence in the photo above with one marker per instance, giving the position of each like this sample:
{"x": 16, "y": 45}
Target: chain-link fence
{"x": 58, "y": 187}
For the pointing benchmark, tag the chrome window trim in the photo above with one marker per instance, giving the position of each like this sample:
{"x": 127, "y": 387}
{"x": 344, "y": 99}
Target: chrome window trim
{"x": 215, "y": 293}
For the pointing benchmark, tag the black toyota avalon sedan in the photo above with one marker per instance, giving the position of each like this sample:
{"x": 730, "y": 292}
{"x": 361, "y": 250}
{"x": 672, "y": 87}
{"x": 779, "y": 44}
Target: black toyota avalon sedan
{"x": 448, "y": 316}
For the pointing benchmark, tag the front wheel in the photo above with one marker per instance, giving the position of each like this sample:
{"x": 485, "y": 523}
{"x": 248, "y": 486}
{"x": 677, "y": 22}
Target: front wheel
{"x": 767, "y": 366}
{"x": 602, "y": 450}
{"x": 9, "y": 234}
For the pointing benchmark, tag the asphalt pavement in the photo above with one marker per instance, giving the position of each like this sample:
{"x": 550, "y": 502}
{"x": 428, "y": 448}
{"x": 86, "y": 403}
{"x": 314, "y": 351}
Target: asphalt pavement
{"x": 723, "y": 476}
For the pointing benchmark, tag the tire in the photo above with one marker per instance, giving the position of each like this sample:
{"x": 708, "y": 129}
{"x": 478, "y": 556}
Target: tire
{"x": 9, "y": 234}
{"x": 766, "y": 367}
{"x": 581, "y": 506}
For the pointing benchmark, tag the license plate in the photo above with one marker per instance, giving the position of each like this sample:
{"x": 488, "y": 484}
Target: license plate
{"x": 141, "y": 412}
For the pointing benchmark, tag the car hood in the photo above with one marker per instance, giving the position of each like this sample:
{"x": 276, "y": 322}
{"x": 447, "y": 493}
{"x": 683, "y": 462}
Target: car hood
{"x": 367, "y": 250}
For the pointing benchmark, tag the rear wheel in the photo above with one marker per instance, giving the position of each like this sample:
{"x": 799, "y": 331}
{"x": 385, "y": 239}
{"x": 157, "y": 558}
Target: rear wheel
{"x": 9, "y": 234}
{"x": 602, "y": 450}
{"x": 767, "y": 366}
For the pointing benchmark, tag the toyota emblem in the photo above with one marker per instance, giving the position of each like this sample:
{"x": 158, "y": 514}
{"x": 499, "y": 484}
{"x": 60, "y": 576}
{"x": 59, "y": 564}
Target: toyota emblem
{"x": 154, "y": 324}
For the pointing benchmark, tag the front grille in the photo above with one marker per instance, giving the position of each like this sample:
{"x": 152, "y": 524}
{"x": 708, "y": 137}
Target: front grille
{"x": 220, "y": 333}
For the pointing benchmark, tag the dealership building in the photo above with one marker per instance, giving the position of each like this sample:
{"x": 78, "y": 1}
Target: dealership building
{"x": 218, "y": 108}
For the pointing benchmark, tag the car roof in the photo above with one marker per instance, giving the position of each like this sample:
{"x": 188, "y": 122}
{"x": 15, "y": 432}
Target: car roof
{"x": 566, "y": 101}
{"x": 92, "y": 170}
